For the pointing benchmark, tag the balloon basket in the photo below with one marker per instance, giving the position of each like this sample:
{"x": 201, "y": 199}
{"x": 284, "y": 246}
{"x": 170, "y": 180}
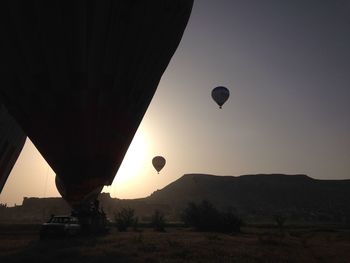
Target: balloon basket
{"x": 92, "y": 220}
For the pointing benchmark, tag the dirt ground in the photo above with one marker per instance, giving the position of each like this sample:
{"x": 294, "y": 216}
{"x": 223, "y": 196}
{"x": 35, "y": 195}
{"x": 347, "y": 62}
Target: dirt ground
{"x": 22, "y": 244}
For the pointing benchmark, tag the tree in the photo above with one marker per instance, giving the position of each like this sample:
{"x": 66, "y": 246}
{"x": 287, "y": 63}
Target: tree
{"x": 205, "y": 217}
{"x": 158, "y": 221}
{"x": 280, "y": 220}
{"x": 125, "y": 218}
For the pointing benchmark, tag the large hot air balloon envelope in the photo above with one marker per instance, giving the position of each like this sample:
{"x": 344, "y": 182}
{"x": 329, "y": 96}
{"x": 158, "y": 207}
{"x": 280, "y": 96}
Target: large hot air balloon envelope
{"x": 12, "y": 140}
{"x": 78, "y": 77}
{"x": 158, "y": 163}
{"x": 220, "y": 95}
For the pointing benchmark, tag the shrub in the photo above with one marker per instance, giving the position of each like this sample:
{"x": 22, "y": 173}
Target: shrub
{"x": 158, "y": 221}
{"x": 205, "y": 217}
{"x": 230, "y": 222}
{"x": 125, "y": 218}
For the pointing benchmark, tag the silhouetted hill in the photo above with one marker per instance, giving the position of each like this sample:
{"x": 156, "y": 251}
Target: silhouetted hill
{"x": 255, "y": 198}
{"x": 261, "y": 194}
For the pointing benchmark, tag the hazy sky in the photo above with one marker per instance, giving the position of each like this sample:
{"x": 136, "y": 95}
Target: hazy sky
{"x": 287, "y": 66}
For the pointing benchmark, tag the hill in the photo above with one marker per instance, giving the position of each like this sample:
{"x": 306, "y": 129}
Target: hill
{"x": 256, "y": 198}
{"x": 262, "y": 194}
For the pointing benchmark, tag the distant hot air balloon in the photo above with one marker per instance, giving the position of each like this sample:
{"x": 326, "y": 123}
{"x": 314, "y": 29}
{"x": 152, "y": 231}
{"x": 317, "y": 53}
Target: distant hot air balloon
{"x": 78, "y": 77}
{"x": 158, "y": 163}
{"x": 220, "y": 95}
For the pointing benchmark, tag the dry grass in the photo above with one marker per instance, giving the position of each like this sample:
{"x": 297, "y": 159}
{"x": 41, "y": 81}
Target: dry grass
{"x": 181, "y": 245}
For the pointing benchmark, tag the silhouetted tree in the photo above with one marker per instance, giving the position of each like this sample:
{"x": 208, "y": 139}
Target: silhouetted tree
{"x": 135, "y": 224}
{"x": 124, "y": 218}
{"x": 205, "y": 217}
{"x": 280, "y": 220}
{"x": 158, "y": 221}
{"x": 230, "y": 222}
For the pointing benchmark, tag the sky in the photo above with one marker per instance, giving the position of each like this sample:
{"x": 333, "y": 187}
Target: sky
{"x": 286, "y": 64}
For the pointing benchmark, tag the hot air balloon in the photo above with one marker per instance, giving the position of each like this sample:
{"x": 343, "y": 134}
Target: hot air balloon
{"x": 87, "y": 199}
{"x": 220, "y": 95}
{"x": 158, "y": 163}
{"x": 78, "y": 77}
{"x": 12, "y": 140}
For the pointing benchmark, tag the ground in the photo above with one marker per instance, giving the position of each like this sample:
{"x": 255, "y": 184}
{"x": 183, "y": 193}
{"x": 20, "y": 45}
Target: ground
{"x": 22, "y": 244}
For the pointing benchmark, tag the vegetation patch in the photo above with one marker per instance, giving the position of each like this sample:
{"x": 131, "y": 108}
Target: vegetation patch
{"x": 206, "y": 217}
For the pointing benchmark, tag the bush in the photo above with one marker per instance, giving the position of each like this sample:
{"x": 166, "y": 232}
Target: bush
{"x": 158, "y": 221}
{"x": 125, "y": 218}
{"x": 205, "y": 217}
{"x": 230, "y": 222}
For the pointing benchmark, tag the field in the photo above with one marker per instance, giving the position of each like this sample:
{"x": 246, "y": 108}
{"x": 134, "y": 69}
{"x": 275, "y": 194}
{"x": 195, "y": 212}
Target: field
{"x": 254, "y": 244}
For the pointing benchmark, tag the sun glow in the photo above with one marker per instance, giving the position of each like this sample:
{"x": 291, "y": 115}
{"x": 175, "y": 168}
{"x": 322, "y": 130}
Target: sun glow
{"x": 133, "y": 163}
